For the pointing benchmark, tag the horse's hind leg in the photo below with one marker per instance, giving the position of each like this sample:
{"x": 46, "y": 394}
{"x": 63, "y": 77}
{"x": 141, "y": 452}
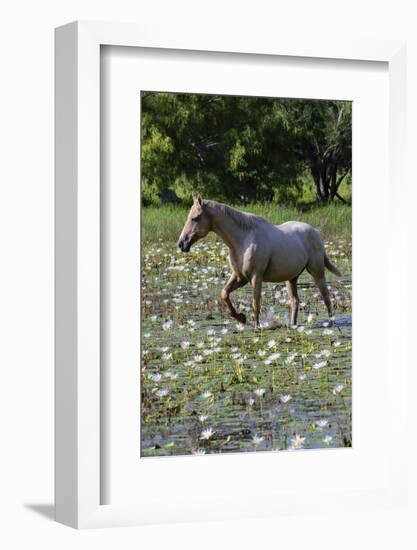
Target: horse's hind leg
{"x": 324, "y": 291}
{"x": 316, "y": 270}
{"x": 295, "y": 301}
{"x": 233, "y": 284}
{"x": 256, "y": 301}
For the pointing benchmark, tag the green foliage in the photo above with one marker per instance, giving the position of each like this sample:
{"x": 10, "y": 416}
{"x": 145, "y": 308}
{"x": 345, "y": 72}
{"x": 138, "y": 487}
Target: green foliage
{"x": 150, "y": 195}
{"x": 243, "y": 149}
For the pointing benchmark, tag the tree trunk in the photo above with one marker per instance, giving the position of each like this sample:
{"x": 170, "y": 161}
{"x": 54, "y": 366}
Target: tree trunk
{"x": 333, "y": 182}
{"x": 322, "y": 184}
{"x": 327, "y": 182}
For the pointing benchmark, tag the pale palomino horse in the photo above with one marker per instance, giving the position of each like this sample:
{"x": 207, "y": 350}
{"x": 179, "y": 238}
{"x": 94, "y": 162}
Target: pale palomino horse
{"x": 260, "y": 252}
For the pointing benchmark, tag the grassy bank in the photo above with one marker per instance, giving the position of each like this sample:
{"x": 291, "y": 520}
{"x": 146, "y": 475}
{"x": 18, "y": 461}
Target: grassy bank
{"x": 166, "y": 222}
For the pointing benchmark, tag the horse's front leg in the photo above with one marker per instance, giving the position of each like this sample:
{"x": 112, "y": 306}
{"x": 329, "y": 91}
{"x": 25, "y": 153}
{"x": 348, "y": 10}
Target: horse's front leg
{"x": 256, "y": 301}
{"x": 233, "y": 284}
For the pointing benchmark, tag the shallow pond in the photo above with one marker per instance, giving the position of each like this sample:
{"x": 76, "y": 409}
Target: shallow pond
{"x": 210, "y": 385}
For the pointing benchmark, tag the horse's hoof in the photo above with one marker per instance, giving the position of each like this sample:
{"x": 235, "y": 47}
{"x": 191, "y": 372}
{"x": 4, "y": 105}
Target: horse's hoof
{"x": 241, "y": 318}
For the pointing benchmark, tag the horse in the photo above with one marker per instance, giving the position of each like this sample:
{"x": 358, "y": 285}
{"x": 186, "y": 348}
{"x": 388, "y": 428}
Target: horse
{"x": 260, "y": 252}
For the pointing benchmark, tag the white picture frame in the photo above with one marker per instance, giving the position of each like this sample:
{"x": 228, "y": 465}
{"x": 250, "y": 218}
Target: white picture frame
{"x": 78, "y": 426}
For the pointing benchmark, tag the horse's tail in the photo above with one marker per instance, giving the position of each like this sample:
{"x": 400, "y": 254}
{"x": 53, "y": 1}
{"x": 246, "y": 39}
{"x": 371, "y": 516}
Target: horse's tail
{"x": 331, "y": 267}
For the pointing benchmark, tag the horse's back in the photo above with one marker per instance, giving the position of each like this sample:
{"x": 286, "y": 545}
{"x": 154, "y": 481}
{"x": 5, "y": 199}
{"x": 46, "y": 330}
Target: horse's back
{"x": 302, "y": 231}
{"x": 292, "y": 244}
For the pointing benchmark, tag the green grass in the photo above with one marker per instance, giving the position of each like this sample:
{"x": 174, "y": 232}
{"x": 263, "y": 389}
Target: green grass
{"x": 165, "y": 222}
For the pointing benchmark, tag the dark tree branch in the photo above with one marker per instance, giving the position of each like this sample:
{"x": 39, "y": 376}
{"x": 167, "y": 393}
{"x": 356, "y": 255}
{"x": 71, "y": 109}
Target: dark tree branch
{"x": 342, "y": 177}
{"x": 340, "y": 198}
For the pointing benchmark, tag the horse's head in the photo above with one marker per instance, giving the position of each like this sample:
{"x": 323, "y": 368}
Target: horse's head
{"x": 196, "y": 227}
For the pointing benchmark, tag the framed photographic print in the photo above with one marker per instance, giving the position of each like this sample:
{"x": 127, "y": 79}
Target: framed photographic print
{"x": 215, "y": 232}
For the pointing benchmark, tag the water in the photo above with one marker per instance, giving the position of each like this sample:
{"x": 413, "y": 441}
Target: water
{"x": 208, "y": 386}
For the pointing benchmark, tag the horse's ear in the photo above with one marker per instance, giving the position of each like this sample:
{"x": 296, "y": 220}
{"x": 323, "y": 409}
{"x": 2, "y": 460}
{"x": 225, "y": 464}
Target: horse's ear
{"x": 198, "y": 200}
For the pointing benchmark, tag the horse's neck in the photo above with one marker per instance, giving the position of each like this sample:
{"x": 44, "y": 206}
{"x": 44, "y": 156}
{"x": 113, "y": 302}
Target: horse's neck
{"x": 232, "y": 235}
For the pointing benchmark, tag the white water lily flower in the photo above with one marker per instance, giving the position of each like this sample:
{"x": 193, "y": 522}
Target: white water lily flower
{"x": 297, "y": 442}
{"x": 327, "y": 332}
{"x": 198, "y": 358}
{"x": 185, "y": 344}
{"x": 337, "y": 344}
{"x": 146, "y": 335}
{"x": 302, "y": 376}
{"x": 206, "y": 395}
{"x": 308, "y": 332}
{"x": 170, "y": 374}
{"x": 338, "y": 388}
{"x": 259, "y": 392}
{"x": 271, "y": 343}
{"x": 162, "y": 393}
{"x": 257, "y": 439}
{"x": 323, "y": 352}
{"x": 167, "y": 325}
{"x": 285, "y": 398}
{"x": 261, "y": 352}
{"x": 319, "y": 365}
{"x": 202, "y": 418}
{"x": 155, "y": 377}
{"x": 167, "y": 356}
{"x": 290, "y": 359}
{"x": 199, "y": 452}
{"x": 328, "y": 439}
{"x": 322, "y": 423}
{"x": 310, "y": 318}
{"x": 207, "y": 433}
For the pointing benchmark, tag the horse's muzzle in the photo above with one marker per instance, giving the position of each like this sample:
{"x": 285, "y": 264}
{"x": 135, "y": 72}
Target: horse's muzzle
{"x": 184, "y": 245}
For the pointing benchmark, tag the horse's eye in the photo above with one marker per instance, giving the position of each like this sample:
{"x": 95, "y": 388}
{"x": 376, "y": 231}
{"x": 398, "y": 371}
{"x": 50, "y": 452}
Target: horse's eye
{"x": 195, "y": 219}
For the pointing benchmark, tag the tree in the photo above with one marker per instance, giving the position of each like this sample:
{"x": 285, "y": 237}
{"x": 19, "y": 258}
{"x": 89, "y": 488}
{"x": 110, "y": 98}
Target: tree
{"x": 325, "y": 142}
{"x": 243, "y": 148}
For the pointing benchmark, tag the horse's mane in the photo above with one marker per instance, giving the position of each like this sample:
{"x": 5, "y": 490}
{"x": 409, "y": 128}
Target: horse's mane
{"x": 244, "y": 220}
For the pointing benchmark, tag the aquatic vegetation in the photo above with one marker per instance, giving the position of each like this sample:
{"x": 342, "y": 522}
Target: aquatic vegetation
{"x": 211, "y": 385}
